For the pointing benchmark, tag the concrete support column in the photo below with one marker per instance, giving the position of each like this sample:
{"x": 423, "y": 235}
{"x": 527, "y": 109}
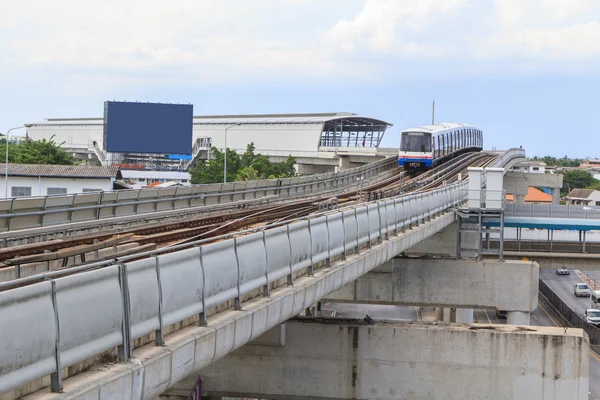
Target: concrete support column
{"x": 517, "y": 318}
{"x": 520, "y": 199}
{"x": 555, "y": 196}
{"x": 464, "y": 315}
{"x": 439, "y": 313}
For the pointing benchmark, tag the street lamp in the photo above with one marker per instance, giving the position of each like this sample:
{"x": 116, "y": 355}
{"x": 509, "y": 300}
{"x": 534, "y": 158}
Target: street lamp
{"x": 225, "y": 153}
{"x": 6, "y": 163}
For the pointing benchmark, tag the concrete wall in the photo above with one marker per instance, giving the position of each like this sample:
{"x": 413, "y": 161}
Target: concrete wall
{"x": 511, "y": 285}
{"x": 408, "y": 361}
{"x": 39, "y": 186}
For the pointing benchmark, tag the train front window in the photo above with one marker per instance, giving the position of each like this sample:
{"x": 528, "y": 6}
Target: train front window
{"x": 416, "y": 142}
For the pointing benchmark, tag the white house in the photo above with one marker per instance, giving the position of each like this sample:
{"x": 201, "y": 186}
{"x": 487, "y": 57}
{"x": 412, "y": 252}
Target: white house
{"x": 42, "y": 179}
{"x": 584, "y": 197}
{"x": 532, "y": 167}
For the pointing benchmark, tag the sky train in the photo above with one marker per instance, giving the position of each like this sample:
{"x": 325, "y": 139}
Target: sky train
{"x": 427, "y": 146}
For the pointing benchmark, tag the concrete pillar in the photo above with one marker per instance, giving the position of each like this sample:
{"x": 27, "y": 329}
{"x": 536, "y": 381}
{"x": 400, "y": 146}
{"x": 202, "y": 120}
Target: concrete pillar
{"x": 439, "y": 313}
{"x": 520, "y": 199}
{"x": 517, "y": 318}
{"x": 464, "y": 315}
{"x": 556, "y": 196}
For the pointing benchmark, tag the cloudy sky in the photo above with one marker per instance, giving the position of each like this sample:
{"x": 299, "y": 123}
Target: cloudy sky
{"x": 526, "y": 72}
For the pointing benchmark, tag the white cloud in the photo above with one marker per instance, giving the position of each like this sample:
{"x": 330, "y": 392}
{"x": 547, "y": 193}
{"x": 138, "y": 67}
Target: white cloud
{"x": 563, "y": 31}
{"x": 378, "y": 24}
{"x": 208, "y": 41}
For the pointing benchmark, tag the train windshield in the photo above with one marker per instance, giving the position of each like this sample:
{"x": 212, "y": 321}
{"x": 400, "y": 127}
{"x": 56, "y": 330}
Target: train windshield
{"x": 416, "y": 142}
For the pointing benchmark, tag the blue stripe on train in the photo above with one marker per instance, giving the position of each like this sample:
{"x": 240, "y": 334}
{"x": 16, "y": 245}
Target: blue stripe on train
{"x": 428, "y": 162}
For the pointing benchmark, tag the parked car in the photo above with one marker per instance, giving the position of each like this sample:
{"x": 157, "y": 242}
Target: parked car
{"x": 581, "y": 289}
{"x": 562, "y": 271}
{"x": 592, "y": 316}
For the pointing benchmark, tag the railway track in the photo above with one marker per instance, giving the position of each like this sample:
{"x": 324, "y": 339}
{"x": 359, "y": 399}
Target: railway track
{"x": 214, "y": 225}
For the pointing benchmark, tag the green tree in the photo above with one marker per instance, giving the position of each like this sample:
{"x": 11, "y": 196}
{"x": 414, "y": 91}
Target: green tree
{"x": 210, "y": 171}
{"x": 595, "y": 185}
{"x": 248, "y": 166}
{"x": 558, "y": 162}
{"x": 248, "y": 156}
{"x": 36, "y": 152}
{"x": 576, "y": 179}
{"x": 247, "y": 174}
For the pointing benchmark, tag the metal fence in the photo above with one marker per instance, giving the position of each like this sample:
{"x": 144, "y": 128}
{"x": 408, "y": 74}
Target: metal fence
{"x": 54, "y": 324}
{"x": 552, "y": 211}
{"x": 34, "y": 212}
{"x": 546, "y": 246}
{"x": 571, "y": 316}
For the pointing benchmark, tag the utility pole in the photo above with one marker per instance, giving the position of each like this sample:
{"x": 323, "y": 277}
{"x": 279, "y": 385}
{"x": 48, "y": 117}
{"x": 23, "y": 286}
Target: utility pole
{"x": 433, "y": 113}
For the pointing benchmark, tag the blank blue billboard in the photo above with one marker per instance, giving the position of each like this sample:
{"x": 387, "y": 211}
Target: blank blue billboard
{"x": 148, "y": 128}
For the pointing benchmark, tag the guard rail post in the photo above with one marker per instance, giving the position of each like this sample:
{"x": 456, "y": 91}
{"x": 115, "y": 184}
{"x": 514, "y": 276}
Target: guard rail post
{"x": 237, "y": 301}
{"x": 56, "y": 378}
{"x": 124, "y": 350}
{"x": 159, "y": 332}
{"x": 290, "y": 277}
{"x": 266, "y": 286}
{"x": 202, "y": 321}
{"x": 311, "y": 266}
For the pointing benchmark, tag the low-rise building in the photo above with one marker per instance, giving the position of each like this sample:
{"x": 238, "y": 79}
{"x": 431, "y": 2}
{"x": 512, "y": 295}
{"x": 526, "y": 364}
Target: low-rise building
{"x": 140, "y": 178}
{"x": 41, "y": 179}
{"x": 584, "y": 197}
{"x": 532, "y": 167}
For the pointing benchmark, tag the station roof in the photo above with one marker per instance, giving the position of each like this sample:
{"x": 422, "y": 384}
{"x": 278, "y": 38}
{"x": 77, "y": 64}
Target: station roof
{"x": 246, "y": 119}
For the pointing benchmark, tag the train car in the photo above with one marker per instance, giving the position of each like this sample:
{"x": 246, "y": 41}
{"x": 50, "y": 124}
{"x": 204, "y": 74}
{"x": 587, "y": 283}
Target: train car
{"x": 424, "y": 147}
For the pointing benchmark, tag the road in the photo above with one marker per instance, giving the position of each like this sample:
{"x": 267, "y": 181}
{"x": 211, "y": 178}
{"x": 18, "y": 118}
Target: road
{"x": 562, "y": 285}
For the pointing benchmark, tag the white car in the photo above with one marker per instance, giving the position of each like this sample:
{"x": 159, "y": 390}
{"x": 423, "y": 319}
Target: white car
{"x": 581, "y": 289}
{"x": 592, "y": 317}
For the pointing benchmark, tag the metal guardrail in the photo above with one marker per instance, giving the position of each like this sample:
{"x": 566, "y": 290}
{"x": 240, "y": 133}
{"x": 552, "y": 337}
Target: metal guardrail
{"x": 547, "y": 246}
{"x": 563, "y": 211}
{"x": 574, "y": 319}
{"x": 73, "y": 318}
{"x": 34, "y": 212}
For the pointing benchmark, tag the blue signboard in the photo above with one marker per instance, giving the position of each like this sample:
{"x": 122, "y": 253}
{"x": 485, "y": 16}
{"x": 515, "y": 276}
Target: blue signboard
{"x": 148, "y": 128}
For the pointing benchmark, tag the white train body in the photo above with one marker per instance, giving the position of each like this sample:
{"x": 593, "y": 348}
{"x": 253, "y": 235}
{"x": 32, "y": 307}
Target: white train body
{"x": 427, "y": 146}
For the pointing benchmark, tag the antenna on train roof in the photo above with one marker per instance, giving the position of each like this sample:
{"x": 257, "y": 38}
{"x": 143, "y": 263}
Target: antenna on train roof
{"x": 433, "y": 113}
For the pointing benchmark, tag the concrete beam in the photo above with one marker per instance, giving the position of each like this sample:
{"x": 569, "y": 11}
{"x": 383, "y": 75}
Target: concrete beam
{"x": 347, "y": 360}
{"x": 518, "y": 183}
{"x": 511, "y": 285}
